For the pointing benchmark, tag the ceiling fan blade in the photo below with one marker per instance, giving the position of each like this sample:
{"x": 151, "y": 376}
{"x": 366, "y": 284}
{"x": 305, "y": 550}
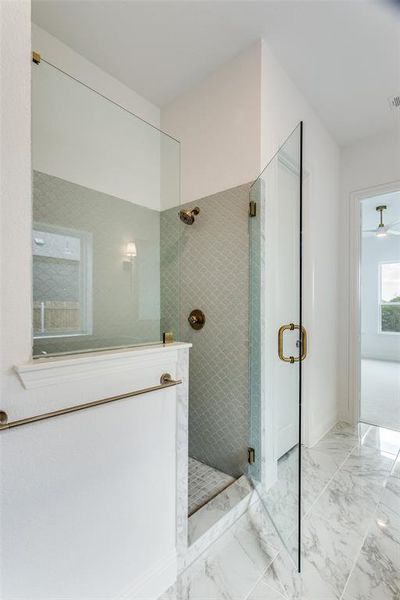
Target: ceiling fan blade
{"x": 393, "y": 231}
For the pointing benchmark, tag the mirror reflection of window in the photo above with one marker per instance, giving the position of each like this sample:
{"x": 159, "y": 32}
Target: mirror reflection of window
{"x": 61, "y": 286}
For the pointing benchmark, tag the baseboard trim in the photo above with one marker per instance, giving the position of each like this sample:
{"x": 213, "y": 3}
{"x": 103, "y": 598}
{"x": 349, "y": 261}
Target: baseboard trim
{"x": 154, "y": 581}
{"x": 322, "y": 431}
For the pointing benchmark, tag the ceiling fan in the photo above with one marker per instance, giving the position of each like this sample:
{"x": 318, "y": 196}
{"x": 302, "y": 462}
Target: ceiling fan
{"x": 383, "y": 230}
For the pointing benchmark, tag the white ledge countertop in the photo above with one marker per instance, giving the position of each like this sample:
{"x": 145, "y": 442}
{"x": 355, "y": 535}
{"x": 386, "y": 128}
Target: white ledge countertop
{"x": 52, "y": 369}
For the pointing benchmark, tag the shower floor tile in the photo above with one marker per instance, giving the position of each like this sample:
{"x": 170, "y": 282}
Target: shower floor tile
{"x": 204, "y": 483}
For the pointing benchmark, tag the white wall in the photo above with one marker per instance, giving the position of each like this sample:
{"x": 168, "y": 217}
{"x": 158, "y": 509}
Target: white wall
{"x": 79, "y": 67}
{"x": 81, "y": 137}
{"x": 374, "y": 161}
{"x": 283, "y": 106}
{"x": 374, "y": 343}
{"x": 218, "y": 124}
{"x": 88, "y": 500}
{"x": 81, "y": 515}
{"x": 15, "y": 195}
{"x": 230, "y": 125}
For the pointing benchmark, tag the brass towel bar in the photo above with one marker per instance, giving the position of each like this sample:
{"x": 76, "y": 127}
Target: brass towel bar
{"x": 165, "y": 382}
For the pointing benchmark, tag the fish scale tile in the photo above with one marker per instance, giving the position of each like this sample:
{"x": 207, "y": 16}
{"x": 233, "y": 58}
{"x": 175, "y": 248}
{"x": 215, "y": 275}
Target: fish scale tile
{"x": 117, "y": 318}
{"x": 214, "y": 277}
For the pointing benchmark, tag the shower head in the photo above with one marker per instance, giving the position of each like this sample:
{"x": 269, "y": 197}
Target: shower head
{"x": 187, "y": 216}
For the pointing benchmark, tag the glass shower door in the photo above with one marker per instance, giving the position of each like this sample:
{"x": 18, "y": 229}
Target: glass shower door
{"x": 278, "y": 341}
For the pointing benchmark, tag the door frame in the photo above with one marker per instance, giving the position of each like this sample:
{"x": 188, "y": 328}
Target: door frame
{"x": 354, "y": 339}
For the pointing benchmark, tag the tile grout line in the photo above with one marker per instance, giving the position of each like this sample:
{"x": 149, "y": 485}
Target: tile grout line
{"x": 281, "y": 591}
{"x": 396, "y": 461}
{"x": 259, "y": 580}
{"x": 306, "y": 514}
{"x": 370, "y": 525}
{"x": 358, "y": 444}
{"x": 357, "y": 557}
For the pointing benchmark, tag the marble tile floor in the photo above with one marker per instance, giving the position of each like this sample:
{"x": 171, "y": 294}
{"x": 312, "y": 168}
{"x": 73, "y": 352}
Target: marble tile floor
{"x": 205, "y": 483}
{"x": 281, "y": 500}
{"x": 351, "y": 532}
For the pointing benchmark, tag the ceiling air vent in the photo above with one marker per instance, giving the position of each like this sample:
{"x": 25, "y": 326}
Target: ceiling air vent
{"x": 394, "y": 102}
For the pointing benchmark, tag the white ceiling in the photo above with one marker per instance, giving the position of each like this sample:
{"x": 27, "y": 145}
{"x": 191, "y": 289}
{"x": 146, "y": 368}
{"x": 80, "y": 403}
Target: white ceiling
{"x": 344, "y": 55}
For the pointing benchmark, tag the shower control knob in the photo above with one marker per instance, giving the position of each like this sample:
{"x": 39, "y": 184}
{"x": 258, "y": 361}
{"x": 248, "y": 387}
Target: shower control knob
{"x": 197, "y": 319}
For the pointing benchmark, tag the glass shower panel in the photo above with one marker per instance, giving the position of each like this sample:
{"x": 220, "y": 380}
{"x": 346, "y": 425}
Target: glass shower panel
{"x": 277, "y": 339}
{"x": 102, "y": 181}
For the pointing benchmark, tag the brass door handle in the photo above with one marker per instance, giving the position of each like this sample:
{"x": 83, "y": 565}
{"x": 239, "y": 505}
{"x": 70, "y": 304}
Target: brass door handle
{"x": 292, "y": 327}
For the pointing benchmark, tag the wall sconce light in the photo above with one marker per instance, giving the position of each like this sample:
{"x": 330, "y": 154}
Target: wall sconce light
{"x": 130, "y": 250}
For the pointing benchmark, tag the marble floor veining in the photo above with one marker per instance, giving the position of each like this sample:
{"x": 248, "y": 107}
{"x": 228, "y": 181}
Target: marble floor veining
{"x": 205, "y": 483}
{"x": 351, "y": 532}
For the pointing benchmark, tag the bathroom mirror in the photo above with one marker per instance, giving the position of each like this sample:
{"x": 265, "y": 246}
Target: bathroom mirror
{"x": 102, "y": 181}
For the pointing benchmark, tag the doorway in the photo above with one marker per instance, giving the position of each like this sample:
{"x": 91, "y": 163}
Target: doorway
{"x": 379, "y": 308}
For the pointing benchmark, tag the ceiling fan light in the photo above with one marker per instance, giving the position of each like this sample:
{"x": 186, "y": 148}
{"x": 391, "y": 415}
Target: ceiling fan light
{"x": 381, "y": 231}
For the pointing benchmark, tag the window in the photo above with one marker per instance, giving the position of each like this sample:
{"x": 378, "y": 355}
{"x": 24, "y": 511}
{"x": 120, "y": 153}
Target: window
{"x": 61, "y": 282}
{"x": 390, "y": 297}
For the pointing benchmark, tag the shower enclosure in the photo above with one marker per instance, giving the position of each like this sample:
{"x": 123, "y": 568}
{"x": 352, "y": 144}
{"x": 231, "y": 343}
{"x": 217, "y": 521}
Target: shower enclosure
{"x": 119, "y": 262}
{"x": 241, "y": 309}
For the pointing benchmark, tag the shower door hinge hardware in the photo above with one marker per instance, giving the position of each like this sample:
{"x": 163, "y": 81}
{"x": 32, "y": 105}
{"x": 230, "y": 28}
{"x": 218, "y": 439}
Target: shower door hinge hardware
{"x": 168, "y": 337}
{"x": 252, "y": 208}
{"x": 251, "y": 456}
{"x": 36, "y": 58}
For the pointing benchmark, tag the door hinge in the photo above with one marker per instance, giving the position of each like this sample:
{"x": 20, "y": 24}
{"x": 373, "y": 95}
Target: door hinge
{"x": 36, "y": 58}
{"x": 168, "y": 337}
{"x": 252, "y": 208}
{"x": 251, "y": 456}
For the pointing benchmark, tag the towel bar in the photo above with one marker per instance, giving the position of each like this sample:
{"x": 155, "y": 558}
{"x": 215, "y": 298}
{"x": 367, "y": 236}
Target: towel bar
{"x": 165, "y": 382}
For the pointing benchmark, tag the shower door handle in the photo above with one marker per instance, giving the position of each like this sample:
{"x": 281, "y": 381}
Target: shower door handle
{"x": 303, "y": 343}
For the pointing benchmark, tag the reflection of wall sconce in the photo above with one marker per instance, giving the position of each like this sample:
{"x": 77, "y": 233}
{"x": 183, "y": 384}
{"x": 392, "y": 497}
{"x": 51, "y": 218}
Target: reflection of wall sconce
{"x": 131, "y": 251}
